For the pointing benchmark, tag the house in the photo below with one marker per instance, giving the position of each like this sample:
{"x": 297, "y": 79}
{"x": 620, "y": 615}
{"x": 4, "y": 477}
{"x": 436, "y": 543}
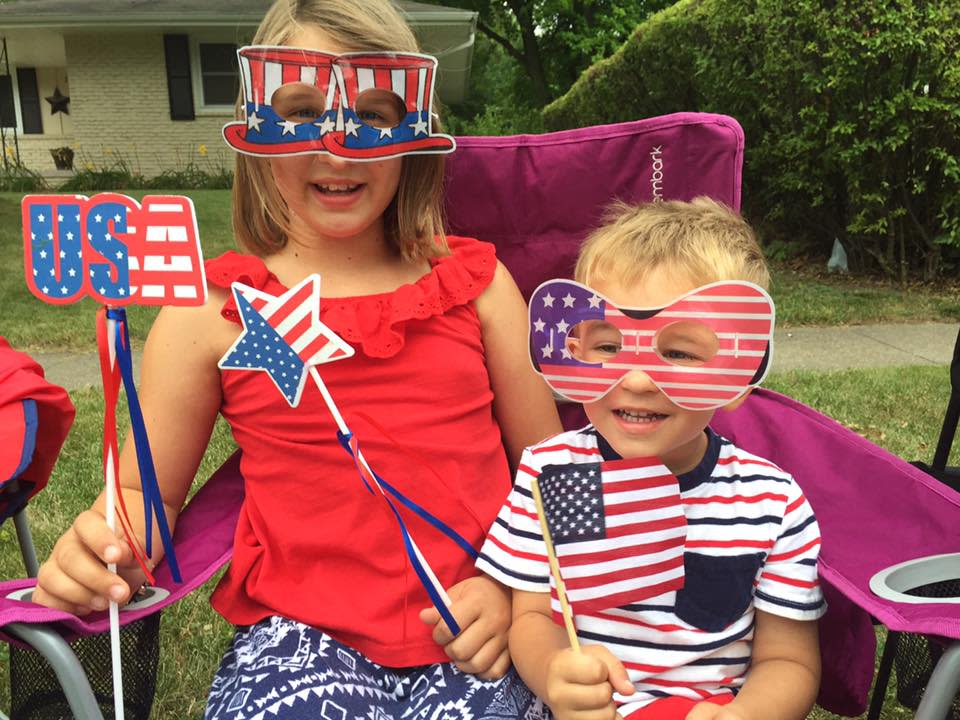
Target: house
{"x": 150, "y": 83}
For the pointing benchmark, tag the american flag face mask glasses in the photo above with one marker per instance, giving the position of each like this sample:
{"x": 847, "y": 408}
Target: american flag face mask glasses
{"x": 703, "y": 350}
{"x": 358, "y": 106}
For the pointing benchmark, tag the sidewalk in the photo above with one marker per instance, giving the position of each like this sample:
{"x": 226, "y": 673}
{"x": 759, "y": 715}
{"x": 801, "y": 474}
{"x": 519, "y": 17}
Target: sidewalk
{"x": 800, "y": 348}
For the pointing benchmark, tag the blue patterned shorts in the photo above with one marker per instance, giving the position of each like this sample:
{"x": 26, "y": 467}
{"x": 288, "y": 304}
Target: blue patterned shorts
{"x": 283, "y": 669}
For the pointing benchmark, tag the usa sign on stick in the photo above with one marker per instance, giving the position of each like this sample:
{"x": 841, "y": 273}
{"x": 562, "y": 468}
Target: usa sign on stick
{"x": 113, "y": 249}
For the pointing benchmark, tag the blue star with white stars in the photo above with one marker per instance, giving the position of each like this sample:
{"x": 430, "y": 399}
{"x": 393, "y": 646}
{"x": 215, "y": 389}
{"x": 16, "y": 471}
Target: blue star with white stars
{"x": 260, "y": 347}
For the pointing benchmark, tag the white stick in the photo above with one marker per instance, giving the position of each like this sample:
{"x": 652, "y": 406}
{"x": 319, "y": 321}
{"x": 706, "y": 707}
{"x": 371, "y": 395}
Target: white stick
{"x": 342, "y": 426}
{"x": 112, "y": 567}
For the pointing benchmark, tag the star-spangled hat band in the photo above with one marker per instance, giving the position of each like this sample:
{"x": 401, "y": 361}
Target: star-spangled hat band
{"x": 703, "y": 350}
{"x": 359, "y": 106}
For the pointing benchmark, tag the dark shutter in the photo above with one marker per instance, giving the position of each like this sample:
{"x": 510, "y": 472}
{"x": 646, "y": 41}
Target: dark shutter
{"x": 29, "y": 101}
{"x": 8, "y": 114}
{"x": 176, "y": 49}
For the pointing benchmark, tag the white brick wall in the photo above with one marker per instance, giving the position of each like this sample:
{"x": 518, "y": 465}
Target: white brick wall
{"x": 35, "y": 150}
{"x": 120, "y": 110}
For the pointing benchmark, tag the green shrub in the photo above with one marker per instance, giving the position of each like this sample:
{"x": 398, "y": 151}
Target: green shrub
{"x": 118, "y": 175}
{"x": 15, "y": 177}
{"x": 192, "y": 177}
{"x": 851, "y": 111}
{"x": 101, "y": 180}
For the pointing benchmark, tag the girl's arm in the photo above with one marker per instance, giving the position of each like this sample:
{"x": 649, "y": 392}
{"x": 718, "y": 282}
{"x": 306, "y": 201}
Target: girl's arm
{"x": 522, "y": 402}
{"x": 783, "y": 678}
{"x": 526, "y": 414}
{"x": 180, "y": 397}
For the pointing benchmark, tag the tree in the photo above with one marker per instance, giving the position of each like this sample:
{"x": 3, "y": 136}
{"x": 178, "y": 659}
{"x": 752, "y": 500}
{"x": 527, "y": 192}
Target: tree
{"x": 553, "y": 41}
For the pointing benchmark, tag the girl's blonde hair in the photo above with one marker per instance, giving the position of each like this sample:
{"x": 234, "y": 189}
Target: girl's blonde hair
{"x": 703, "y": 240}
{"x": 414, "y": 217}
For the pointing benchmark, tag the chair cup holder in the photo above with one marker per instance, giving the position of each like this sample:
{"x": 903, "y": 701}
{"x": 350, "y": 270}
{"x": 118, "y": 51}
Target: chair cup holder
{"x": 146, "y": 597}
{"x": 932, "y": 579}
{"x": 36, "y": 693}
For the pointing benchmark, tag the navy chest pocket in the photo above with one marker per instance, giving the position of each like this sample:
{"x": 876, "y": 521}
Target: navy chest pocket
{"x": 716, "y": 590}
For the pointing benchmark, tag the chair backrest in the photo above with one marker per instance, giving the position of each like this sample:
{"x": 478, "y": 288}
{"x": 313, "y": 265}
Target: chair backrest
{"x": 35, "y": 417}
{"x": 18, "y": 440}
{"x": 536, "y": 197}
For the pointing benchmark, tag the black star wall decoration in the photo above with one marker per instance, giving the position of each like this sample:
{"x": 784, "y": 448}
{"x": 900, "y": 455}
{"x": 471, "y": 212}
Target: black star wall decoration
{"x": 59, "y": 102}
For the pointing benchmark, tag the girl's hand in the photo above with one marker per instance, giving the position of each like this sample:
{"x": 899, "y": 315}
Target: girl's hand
{"x": 580, "y": 685}
{"x": 481, "y": 607}
{"x": 75, "y": 577}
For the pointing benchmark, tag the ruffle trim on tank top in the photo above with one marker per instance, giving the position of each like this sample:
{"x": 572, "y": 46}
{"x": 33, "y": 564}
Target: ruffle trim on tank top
{"x": 376, "y": 322}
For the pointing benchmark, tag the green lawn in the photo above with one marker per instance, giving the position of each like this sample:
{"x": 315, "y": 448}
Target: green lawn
{"x": 806, "y": 297}
{"x": 803, "y": 296}
{"x": 898, "y": 408}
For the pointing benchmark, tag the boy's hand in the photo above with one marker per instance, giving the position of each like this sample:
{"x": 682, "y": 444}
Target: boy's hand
{"x": 481, "y": 607}
{"x": 580, "y": 685}
{"x": 75, "y": 577}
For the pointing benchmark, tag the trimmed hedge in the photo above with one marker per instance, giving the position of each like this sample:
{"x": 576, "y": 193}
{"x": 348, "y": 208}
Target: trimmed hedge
{"x": 851, "y": 111}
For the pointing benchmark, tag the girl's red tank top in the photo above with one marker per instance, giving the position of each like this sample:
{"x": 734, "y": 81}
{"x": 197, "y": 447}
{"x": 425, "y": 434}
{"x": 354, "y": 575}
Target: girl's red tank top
{"x": 312, "y": 544}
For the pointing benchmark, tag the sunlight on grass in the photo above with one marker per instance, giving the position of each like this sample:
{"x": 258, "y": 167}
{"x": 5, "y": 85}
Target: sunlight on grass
{"x": 900, "y": 409}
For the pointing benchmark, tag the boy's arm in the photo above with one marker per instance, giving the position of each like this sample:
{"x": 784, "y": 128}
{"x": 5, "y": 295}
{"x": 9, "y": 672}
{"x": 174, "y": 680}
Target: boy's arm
{"x": 783, "y": 678}
{"x": 573, "y": 684}
{"x": 534, "y": 638}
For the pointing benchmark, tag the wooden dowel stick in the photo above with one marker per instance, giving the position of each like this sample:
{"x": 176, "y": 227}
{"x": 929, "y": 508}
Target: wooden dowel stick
{"x": 555, "y": 570}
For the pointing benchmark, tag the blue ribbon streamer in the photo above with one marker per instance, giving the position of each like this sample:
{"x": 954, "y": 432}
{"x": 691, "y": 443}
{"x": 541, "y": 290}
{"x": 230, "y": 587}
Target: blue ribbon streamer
{"x": 152, "y": 499}
{"x": 435, "y": 598}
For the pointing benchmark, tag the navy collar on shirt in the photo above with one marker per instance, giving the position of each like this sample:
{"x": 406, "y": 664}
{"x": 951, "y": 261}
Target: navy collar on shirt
{"x": 688, "y": 480}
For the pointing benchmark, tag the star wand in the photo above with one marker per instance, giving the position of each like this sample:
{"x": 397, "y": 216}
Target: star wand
{"x": 284, "y": 337}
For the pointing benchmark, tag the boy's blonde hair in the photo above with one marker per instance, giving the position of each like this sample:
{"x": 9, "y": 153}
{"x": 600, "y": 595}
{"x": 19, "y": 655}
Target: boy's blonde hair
{"x": 702, "y": 239}
{"x": 414, "y": 217}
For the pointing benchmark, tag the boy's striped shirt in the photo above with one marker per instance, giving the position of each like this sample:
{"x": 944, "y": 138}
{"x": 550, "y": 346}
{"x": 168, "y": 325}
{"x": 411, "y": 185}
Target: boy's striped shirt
{"x": 752, "y": 542}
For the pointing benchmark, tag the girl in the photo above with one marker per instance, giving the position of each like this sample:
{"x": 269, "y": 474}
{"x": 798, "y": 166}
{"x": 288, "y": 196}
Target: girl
{"x": 320, "y": 585}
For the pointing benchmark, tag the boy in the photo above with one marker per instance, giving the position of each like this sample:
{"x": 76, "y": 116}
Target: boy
{"x": 738, "y": 639}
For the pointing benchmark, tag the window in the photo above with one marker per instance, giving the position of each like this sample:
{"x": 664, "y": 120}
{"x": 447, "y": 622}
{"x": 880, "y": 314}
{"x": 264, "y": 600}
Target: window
{"x": 20, "y": 102}
{"x": 29, "y": 101}
{"x": 179, "y": 84}
{"x": 219, "y": 75}
{"x": 8, "y": 112}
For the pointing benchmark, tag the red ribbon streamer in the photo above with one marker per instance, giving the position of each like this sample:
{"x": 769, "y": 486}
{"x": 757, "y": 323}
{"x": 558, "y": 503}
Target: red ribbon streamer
{"x": 111, "y": 395}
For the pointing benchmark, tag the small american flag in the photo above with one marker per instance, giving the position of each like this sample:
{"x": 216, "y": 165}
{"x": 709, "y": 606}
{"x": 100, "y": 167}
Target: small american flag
{"x": 618, "y": 530}
{"x": 283, "y": 336}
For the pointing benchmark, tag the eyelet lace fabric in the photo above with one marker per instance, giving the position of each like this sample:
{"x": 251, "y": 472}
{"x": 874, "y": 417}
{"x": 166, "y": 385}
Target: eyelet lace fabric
{"x": 376, "y": 323}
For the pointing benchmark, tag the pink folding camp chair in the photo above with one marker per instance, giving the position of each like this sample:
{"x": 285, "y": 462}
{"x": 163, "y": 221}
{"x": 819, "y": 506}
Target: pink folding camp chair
{"x": 536, "y": 197}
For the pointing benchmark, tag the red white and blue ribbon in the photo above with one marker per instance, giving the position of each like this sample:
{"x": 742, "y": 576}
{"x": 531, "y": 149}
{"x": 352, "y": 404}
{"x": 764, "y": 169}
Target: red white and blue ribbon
{"x": 152, "y": 498}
